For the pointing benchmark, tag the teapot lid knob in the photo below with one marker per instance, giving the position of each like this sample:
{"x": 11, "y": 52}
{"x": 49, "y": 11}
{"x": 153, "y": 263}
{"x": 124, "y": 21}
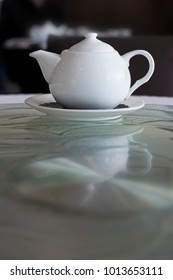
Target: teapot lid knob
{"x": 91, "y": 44}
{"x": 91, "y": 35}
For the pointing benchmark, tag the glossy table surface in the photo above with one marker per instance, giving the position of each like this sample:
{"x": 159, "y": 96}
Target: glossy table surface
{"x": 86, "y": 190}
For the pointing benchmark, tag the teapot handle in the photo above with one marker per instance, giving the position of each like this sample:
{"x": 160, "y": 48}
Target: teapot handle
{"x": 145, "y": 79}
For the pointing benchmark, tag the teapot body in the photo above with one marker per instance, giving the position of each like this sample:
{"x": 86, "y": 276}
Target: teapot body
{"x": 90, "y": 80}
{"x": 91, "y": 74}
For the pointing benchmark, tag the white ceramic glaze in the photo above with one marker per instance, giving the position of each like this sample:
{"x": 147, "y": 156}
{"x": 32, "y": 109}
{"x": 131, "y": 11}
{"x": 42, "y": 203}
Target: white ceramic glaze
{"x": 91, "y": 74}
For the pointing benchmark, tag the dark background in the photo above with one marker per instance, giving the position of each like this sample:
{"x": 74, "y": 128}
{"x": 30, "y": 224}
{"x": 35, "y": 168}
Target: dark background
{"x": 150, "y": 23}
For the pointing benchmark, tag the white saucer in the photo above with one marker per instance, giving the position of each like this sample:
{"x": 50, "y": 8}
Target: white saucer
{"x": 36, "y": 101}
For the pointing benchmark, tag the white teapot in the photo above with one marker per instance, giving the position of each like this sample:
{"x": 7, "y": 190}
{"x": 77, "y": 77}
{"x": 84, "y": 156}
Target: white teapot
{"x": 91, "y": 74}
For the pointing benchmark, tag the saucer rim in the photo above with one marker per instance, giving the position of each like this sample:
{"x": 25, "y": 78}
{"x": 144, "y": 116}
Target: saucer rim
{"x": 92, "y": 114}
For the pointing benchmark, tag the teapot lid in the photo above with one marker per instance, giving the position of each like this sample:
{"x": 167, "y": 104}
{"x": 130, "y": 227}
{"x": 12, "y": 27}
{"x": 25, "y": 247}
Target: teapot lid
{"x": 91, "y": 44}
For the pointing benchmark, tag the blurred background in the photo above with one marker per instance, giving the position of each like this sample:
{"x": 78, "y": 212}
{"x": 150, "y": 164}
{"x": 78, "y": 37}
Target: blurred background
{"x": 54, "y": 25}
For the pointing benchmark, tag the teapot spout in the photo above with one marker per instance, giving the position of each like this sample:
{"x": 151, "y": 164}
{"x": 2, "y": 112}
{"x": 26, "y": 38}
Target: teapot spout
{"x": 47, "y": 61}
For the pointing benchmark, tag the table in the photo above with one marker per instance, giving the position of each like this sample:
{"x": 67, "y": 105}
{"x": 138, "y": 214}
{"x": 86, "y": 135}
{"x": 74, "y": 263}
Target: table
{"x": 86, "y": 190}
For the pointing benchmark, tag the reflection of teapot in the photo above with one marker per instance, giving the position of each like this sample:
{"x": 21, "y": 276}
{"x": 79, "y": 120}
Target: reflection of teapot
{"x": 84, "y": 167}
{"x": 91, "y": 74}
{"x": 84, "y": 157}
